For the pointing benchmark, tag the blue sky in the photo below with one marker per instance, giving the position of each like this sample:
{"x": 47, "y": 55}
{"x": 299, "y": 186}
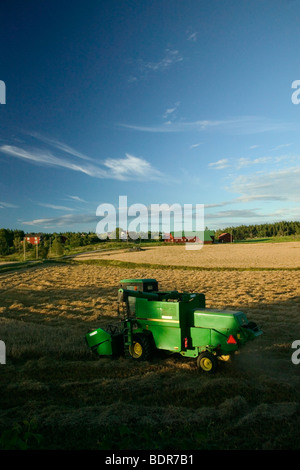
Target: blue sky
{"x": 186, "y": 102}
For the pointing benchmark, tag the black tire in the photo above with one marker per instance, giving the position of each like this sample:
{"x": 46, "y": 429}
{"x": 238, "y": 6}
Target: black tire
{"x": 142, "y": 347}
{"x": 207, "y": 362}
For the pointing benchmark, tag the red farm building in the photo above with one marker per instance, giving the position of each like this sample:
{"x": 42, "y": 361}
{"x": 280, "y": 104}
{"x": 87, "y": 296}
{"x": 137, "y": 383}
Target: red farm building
{"x": 207, "y": 237}
{"x": 34, "y": 239}
{"x": 225, "y": 238}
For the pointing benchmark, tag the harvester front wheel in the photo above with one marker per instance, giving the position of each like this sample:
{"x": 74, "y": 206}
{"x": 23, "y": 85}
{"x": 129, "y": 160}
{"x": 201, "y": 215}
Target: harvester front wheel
{"x": 207, "y": 362}
{"x": 142, "y": 348}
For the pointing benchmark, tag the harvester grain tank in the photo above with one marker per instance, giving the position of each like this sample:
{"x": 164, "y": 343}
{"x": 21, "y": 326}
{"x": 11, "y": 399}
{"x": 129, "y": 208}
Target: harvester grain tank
{"x": 172, "y": 321}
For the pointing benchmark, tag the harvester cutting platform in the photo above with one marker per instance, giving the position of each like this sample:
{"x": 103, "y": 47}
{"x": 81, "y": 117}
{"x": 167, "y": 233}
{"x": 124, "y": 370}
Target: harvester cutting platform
{"x": 176, "y": 322}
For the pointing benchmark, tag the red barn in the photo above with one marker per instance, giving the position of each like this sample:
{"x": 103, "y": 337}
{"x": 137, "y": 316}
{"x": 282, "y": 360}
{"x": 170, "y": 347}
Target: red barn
{"x": 225, "y": 238}
{"x": 207, "y": 237}
{"x": 170, "y": 238}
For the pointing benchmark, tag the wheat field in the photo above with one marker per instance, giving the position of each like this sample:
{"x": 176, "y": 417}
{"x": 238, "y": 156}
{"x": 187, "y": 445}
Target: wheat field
{"x": 81, "y": 402}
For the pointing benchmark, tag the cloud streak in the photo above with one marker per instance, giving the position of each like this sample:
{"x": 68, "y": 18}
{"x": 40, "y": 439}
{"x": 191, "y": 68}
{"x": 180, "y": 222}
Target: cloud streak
{"x": 168, "y": 60}
{"x": 77, "y": 199}
{"x": 60, "y": 146}
{"x": 170, "y": 112}
{"x": 7, "y": 205}
{"x": 171, "y": 57}
{"x": 123, "y": 169}
{"x": 238, "y": 126}
{"x": 243, "y": 162}
{"x": 284, "y": 182}
{"x": 238, "y": 213}
{"x": 59, "y": 208}
{"x": 192, "y": 36}
{"x": 219, "y": 165}
{"x": 64, "y": 220}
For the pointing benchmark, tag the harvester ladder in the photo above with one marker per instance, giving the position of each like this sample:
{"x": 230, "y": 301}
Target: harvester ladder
{"x": 127, "y": 337}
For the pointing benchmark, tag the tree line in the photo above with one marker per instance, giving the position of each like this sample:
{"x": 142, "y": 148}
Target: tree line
{"x": 276, "y": 229}
{"x": 12, "y": 241}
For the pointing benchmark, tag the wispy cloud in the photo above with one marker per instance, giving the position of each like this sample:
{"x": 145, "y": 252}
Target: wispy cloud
{"x": 125, "y": 169}
{"x": 281, "y": 146}
{"x": 64, "y": 220}
{"x": 59, "y": 208}
{"x": 129, "y": 167}
{"x": 192, "y": 36}
{"x": 217, "y": 204}
{"x": 77, "y": 199}
{"x": 238, "y": 126}
{"x": 171, "y": 112}
{"x": 258, "y": 197}
{"x": 283, "y": 183}
{"x": 245, "y": 199}
{"x": 59, "y": 146}
{"x": 242, "y": 162}
{"x": 170, "y": 57}
{"x": 219, "y": 165}
{"x": 255, "y": 215}
{"x": 231, "y": 214}
{"x": 195, "y": 145}
{"x": 7, "y": 205}
{"x": 46, "y": 158}
{"x": 144, "y": 67}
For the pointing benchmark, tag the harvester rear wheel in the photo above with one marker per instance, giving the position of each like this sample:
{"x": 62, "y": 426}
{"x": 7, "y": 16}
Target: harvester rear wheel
{"x": 207, "y": 362}
{"x": 142, "y": 348}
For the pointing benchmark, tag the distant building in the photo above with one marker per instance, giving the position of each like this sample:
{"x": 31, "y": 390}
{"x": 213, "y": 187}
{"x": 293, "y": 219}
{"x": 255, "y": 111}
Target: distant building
{"x": 225, "y": 238}
{"x": 34, "y": 238}
{"x": 207, "y": 237}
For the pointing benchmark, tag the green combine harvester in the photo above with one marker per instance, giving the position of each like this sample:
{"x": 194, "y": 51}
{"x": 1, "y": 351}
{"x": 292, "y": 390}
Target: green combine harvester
{"x": 171, "y": 321}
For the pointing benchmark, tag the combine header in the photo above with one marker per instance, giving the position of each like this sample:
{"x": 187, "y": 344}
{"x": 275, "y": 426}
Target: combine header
{"x": 171, "y": 321}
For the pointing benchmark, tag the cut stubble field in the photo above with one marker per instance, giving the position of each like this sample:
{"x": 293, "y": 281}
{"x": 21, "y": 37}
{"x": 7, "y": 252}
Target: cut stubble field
{"x": 254, "y": 255}
{"x": 81, "y": 402}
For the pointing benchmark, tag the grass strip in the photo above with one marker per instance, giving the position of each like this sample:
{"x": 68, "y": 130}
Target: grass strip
{"x": 129, "y": 264}
{"x": 15, "y": 266}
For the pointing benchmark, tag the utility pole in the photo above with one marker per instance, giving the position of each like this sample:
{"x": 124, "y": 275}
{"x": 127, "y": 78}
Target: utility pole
{"x": 24, "y": 248}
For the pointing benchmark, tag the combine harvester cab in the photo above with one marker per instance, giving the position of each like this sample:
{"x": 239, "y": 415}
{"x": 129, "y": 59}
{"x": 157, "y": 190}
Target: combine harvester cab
{"x": 174, "y": 322}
